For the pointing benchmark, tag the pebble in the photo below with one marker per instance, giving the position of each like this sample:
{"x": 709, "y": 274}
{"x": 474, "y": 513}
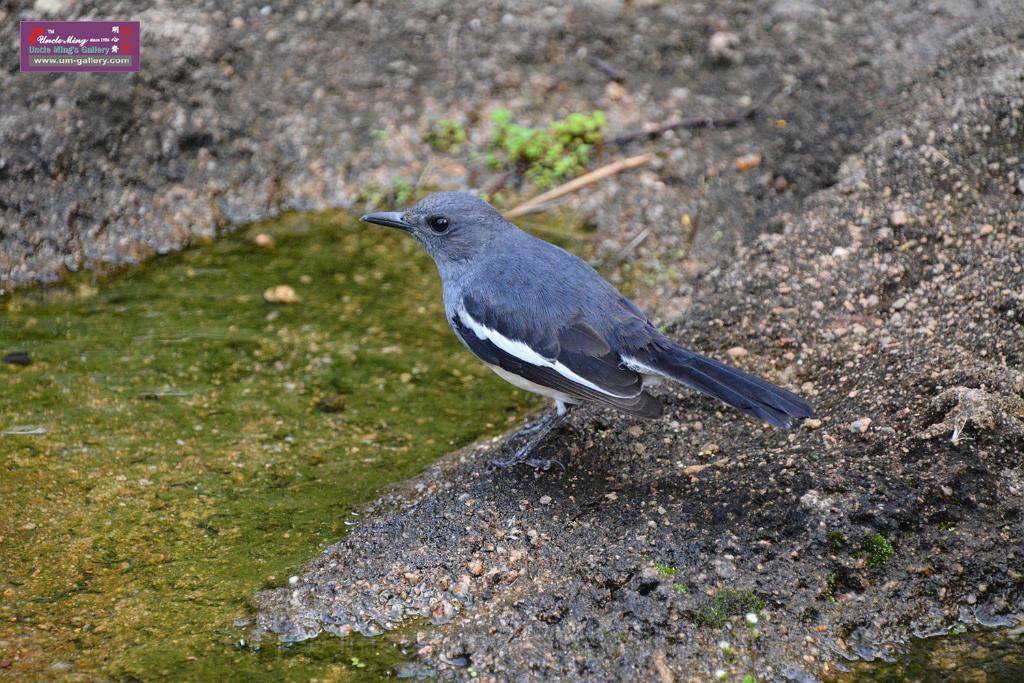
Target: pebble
{"x": 476, "y": 567}
{"x": 264, "y": 239}
{"x": 545, "y": 500}
{"x": 812, "y": 423}
{"x": 898, "y": 218}
{"x": 615, "y": 91}
{"x": 748, "y": 161}
{"x": 281, "y": 294}
{"x": 721, "y": 45}
{"x": 860, "y": 426}
{"x": 461, "y": 587}
{"x": 737, "y": 352}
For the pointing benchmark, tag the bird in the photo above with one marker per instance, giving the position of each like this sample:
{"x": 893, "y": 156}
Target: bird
{"x": 545, "y": 321}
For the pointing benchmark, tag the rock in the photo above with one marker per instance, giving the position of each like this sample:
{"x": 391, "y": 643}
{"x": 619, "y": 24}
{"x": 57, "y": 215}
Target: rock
{"x": 737, "y": 352}
{"x": 812, "y": 423}
{"x": 747, "y": 161}
{"x": 615, "y": 92}
{"x": 722, "y": 46}
{"x": 281, "y": 294}
{"x": 476, "y": 567}
{"x": 898, "y": 218}
{"x": 861, "y": 425}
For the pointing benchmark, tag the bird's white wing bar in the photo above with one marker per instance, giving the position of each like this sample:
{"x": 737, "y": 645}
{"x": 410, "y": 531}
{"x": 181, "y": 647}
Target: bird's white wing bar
{"x": 524, "y": 353}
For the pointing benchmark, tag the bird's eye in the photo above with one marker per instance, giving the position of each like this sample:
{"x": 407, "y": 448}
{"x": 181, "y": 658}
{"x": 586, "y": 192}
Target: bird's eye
{"x": 438, "y": 224}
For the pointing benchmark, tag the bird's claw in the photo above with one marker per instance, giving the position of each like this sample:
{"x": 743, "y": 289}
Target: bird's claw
{"x": 543, "y": 465}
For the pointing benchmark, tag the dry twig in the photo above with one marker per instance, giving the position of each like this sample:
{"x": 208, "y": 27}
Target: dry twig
{"x": 695, "y": 122}
{"x": 580, "y": 182}
{"x": 608, "y": 70}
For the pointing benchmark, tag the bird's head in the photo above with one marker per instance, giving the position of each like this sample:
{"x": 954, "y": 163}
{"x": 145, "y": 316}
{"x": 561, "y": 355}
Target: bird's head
{"x": 452, "y": 226}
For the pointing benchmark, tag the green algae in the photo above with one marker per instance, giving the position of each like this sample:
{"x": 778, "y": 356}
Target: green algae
{"x": 201, "y": 443}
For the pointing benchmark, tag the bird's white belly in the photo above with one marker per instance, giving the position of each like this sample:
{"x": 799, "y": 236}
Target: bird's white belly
{"x": 527, "y": 385}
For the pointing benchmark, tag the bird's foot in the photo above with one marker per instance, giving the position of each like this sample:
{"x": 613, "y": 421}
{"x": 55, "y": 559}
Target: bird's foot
{"x": 522, "y": 457}
{"x": 543, "y": 465}
{"x": 539, "y": 430}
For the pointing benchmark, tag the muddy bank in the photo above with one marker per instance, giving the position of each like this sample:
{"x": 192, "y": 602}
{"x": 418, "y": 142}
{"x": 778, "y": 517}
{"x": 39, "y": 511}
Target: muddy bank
{"x": 893, "y": 300}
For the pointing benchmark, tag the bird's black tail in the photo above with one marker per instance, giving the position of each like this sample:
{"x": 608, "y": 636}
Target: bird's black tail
{"x": 748, "y": 394}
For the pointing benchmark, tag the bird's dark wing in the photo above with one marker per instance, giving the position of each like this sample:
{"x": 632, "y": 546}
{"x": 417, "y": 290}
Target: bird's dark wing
{"x": 569, "y": 357}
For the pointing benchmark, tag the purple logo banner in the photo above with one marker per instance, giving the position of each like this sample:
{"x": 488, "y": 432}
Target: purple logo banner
{"x": 63, "y": 46}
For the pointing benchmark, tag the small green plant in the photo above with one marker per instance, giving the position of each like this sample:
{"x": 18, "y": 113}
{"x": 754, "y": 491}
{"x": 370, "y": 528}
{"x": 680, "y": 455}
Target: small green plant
{"x": 836, "y": 539}
{"x": 358, "y": 663}
{"x": 749, "y": 678}
{"x": 548, "y": 155}
{"x": 876, "y": 549}
{"x": 729, "y": 602}
{"x": 830, "y": 587}
{"x": 665, "y": 569}
{"x": 446, "y": 135}
{"x": 681, "y": 587}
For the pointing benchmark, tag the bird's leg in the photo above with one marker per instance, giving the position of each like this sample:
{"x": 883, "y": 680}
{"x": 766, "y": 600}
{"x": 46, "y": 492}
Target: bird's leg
{"x": 535, "y": 426}
{"x": 539, "y": 429}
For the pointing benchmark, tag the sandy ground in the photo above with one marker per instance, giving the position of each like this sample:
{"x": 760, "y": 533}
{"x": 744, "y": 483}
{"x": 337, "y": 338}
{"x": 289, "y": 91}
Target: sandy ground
{"x": 873, "y": 261}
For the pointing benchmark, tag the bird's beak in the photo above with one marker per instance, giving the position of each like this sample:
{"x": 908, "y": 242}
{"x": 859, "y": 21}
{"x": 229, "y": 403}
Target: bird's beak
{"x": 392, "y": 219}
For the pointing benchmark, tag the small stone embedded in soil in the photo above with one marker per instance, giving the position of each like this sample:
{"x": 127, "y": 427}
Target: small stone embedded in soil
{"x": 722, "y": 45}
{"x": 476, "y": 567}
{"x": 898, "y": 218}
{"x": 281, "y": 294}
{"x": 737, "y": 352}
{"x": 861, "y": 425}
{"x": 748, "y": 161}
{"x": 812, "y": 423}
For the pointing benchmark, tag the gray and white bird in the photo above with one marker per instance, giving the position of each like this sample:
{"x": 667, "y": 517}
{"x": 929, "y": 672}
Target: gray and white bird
{"x": 545, "y": 321}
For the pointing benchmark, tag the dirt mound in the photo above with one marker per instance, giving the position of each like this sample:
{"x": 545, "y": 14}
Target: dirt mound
{"x": 894, "y": 301}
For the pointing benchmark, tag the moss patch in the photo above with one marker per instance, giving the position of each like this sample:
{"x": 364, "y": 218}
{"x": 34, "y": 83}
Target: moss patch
{"x": 728, "y": 602}
{"x": 876, "y": 549}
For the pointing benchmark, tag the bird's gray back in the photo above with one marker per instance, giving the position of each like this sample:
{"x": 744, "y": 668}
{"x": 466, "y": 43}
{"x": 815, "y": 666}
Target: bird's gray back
{"x": 530, "y": 285}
